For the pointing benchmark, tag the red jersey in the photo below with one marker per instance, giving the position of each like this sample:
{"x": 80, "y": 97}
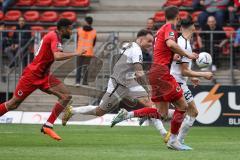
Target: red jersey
{"x": 44, "y": 56}
{"x": 162, "y": 54}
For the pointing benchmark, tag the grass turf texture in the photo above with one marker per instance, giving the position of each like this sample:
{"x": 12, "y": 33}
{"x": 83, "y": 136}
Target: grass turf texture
{"x": 25, "y": 142}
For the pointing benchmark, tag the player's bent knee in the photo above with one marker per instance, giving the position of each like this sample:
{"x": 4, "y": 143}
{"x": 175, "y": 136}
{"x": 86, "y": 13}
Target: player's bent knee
{"x": 66, "y": 97}
{"x": 100, "y": 112}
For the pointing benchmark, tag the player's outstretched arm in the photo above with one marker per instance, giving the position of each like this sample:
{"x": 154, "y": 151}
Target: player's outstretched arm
{"x": 60, "y": 56}
{"x": 176, "y": 49}
{"x": 186, "y": 71}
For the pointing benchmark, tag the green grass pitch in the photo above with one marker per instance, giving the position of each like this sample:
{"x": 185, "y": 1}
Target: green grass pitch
{"x": 25, "y": 142}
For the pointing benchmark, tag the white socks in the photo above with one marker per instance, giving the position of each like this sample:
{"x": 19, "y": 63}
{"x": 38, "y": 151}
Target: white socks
{"x": 159, "y": 126}
{"x": 173, "y": 138}
{"x": 130, "y": 115}
{"x": 86, "y": 110}
{"x": 186, "y": 124}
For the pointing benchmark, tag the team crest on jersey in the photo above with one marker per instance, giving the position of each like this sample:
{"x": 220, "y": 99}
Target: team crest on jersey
{"x": 59, "y": 46}
{"x": 20, "y": 93}
{"x": 171, "y": 34}
{"x": 178, "y": 89}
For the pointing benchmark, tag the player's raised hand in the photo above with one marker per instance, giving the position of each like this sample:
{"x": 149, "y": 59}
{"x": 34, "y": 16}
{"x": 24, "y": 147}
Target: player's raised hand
{"x": 192, "y": 56}
{"x": 208, "y": 75}
{"x": 176, "y": 57}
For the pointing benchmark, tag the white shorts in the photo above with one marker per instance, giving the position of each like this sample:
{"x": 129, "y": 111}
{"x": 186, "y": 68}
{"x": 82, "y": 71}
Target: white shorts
{"x": 134, "y": 91}
{"x": 116, "y": 92}
{"x": 186, "y": 92}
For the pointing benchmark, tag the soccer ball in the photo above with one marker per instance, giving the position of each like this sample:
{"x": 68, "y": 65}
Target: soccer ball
{"x": 204, "y": 60}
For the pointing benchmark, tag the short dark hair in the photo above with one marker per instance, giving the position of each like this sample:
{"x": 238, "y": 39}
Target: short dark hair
{"x": 89, "y": 20}
{"x": 143, "y": 32}
{"x": 187, "y": 22}
{"x": 151, "y": 19}
{"x": 171, "y": 12}
{"x": 63, "y": 23}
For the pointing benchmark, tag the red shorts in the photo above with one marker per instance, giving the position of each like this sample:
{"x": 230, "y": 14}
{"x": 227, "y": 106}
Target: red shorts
{"x": 164, "y": 87}
{"x": 30, "y": 82}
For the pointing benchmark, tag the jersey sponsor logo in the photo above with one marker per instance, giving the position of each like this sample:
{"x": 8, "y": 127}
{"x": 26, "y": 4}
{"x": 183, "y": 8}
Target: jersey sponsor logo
{"x": 178, "y": 89}
{"x": 20, "y": 93}
{"x": 59, "y": 46}
{"x": 171, "y": 34}
{"x": 208, "y": 105}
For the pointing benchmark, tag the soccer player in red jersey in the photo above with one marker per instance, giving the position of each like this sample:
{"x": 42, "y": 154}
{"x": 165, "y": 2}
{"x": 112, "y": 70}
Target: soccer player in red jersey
{"x": 165, "y": 89}
{"x": 37, "y": 75}
{"x": 160, "y": 77}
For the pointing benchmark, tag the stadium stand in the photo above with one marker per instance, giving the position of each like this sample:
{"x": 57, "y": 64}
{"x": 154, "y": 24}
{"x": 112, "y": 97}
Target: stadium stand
{"x": 43, "y": 3}
{"x": 159, "y": 16}
{"x": 69, "y": 15}
{"x": 80, "y": 3}
{"x": 183, "y": 14}
{"x": 25, "y": 2}
{"x": 195, "y": 15}
{"x": 56, "y": 5}
{"x": 173, "y": 2}
{"x": 187, "y": 3}
{"x": 52, "y": 28}
{"x": 60, "y": 3}
{"x": 12, "y": 15}
{"x": 36, "y": 29}
{"x": 31, "y": 16}
{"x": 49, "y": 16}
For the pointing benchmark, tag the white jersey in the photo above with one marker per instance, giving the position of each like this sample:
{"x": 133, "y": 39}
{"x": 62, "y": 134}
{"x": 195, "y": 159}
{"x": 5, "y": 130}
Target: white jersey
{"x": 175, "y": 66}
{"x": 123, "y": 71}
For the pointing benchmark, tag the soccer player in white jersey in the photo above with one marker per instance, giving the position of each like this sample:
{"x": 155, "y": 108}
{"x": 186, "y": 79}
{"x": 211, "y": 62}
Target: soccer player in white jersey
{"x": 127, "y": 73}
{"x": 181, "y": 70}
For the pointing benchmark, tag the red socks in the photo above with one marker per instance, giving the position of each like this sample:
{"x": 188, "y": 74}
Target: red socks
{"x": 177, "y": 119}
{"x": 147, "y": 112}
{"x": 3, "y": 109}
{"x": 58, "y": 108}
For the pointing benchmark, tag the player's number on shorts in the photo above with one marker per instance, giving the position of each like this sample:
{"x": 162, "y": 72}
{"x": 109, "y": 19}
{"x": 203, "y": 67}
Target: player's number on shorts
{"x": 39, "y": 47}
{"x": 188, "y": 95}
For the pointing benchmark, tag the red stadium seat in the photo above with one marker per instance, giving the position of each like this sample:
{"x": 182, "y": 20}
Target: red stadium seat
{"x": 159, "y": 16}
{"x": 173, "y": 2}
{"x": 72, "y": 16}
{"x": 12, "y": 15}
{"x": 183, "y": 14}
{"x": 10, "y": 34}
{"x": 79, "y": 3}
{"x": 49, "y": 16}
{"x": 61, "y": 3}
{"x": 230, "y": 31}
{"x": 43, "y": 3}
{"x": 25, "y": 2}
{"x": 31, "y": 16}
{"x": 52, "y": 28}
{"x": 187, "y": 3}
{"x": 195, "y": 15}
{"x": 1, "y": 15}
{"x": 37, "y": 28}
